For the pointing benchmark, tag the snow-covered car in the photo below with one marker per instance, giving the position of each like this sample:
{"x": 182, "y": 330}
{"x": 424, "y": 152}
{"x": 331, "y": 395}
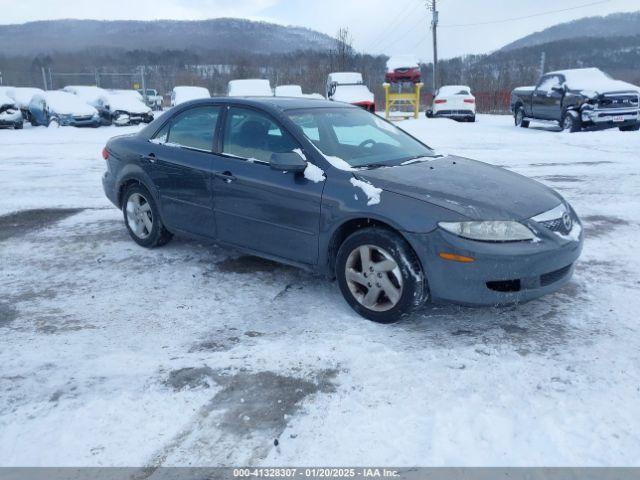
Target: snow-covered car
{"x": 153, "y": 98}
{"x": 250, "y": 87}
{"x": 61, "y": 108}
{"x": 127, "y": 107}
{"x": 454, "y": 101}
{"x": 578, "y": 98}
{"x": 97, "y": 97}
{"x": 348, "y": 87}
{"x": 10, "y": 115}
{"x": 403, "y": 68}
{"x": 295, "y": 91}
{"x": 22, "y": 97}
{"x": 185, "y": 94}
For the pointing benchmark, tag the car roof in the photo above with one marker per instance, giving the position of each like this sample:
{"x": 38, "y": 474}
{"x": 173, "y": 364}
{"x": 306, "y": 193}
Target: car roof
{"x": 272, "y": 103}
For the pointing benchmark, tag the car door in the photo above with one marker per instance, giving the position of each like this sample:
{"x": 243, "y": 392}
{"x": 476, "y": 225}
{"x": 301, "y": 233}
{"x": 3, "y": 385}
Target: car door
{"x": 179, "y": 161}
{"x": 546, "y": 100}
{"x": 264, "y": 210}
{"x": 37, "y": 110}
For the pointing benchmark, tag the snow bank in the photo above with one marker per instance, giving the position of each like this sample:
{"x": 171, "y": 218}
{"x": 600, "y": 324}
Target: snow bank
{"x": 251, "y": 87}
{"x": 289, "y": 91}
{"x": 23, "y": 95}
{"x": 64, "y": 103}
{"x": 186, "y": 94}
{"x": 594, "y": 79}
{"x": 402, "y": 61}
{"x": 372, "y": 193}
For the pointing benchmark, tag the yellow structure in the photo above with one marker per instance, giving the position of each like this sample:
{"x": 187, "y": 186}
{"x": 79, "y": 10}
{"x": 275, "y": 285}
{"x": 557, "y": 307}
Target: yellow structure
{"x": 392, "y": 99}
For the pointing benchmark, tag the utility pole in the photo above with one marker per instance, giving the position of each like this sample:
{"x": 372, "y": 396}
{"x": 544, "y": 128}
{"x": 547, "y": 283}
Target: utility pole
{"x": 143, "y": 84}
{"x": 44, "y": 78}
{"x": 431, "y": 4}
{"x": 543, "y": 59}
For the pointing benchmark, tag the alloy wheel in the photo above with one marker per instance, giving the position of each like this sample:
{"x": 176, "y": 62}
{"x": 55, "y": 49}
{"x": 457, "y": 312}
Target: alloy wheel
{"x": 374, "y": 278}
{"x": 139, "y": 216}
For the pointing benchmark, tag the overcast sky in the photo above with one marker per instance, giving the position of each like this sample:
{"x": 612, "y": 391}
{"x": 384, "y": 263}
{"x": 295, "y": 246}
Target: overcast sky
{"x": 377, "y": 26}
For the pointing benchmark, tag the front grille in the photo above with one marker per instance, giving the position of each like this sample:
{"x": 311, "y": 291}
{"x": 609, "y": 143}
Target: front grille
{"x": 619, "y": 101}
{"x": 81, "y": 118}
{"x": 556, "y": 225}
{"x": 552, "y": 277}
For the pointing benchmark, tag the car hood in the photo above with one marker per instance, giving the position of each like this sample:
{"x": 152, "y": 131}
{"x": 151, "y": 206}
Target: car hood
{"x": 474, "y": 189}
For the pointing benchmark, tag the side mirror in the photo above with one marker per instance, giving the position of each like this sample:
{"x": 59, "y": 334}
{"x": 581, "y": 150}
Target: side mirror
{"x": 288, "y": 162}
{"x": 558, "y": 89}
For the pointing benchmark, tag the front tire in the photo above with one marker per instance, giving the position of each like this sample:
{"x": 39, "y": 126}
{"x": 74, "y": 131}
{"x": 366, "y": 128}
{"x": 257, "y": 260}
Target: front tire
{"x": 630, "y": 128}
{"x": 571, "y": 122}
{"x": 379, "y": 275}
{"x": 142, "y": 218}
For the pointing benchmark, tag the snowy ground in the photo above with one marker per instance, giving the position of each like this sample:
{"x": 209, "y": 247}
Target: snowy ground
{"x": 111, "y": 354}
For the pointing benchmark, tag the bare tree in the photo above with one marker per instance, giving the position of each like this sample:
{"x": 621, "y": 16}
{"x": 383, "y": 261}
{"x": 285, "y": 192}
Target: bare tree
{"x": 342, "y": 54}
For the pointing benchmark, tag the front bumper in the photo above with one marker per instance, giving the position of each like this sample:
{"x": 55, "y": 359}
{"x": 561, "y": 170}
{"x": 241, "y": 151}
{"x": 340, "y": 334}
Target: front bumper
{"x": 609, "y": 118}
{"x": 79, "y": 122}
{"x": 8, "y": 120}
{"x": 501, "y": 273}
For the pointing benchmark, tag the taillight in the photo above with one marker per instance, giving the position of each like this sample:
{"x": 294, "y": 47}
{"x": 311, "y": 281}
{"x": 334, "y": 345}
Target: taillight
{"x": 105, "y": 153}
{"x": 440, "y": 101}
{"x": 469, "y": 100}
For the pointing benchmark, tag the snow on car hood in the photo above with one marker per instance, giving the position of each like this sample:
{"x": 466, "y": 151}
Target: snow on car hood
{"x": 127, "y": 103}
{"x": 352, "y": 94}
{"x": 64, "y": 103}
{"x": 474, "y": 189}
{"x": 5, "y": 100}
{"x": 593, "y": 79}
{"x": 23, "y": 95}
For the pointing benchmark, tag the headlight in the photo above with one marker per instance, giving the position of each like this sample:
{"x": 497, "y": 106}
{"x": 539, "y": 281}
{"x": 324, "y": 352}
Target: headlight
{"x": 489, "y": 231}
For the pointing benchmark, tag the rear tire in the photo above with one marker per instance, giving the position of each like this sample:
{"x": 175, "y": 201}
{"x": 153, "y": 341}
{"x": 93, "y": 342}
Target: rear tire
{"x": 380, "y": 275}
{"x": 519, "y": 118}
{"x": 142, "y": 217}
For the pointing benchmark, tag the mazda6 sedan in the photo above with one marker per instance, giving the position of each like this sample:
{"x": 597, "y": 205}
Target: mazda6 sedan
{"x": 334, "y": 189}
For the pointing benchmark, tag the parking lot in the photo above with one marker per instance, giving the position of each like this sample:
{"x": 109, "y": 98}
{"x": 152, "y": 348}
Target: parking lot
{"x": 193, "y": 354}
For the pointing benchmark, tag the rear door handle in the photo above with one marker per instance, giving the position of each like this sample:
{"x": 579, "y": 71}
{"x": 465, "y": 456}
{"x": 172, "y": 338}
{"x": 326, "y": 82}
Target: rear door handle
{"x": 151, "y": 158}
{"x": 226, "y": 176}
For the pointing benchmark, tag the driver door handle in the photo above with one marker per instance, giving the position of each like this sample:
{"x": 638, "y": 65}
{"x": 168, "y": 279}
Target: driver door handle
{"x": 151, "y": 158}
{"x": 227, "y": 176}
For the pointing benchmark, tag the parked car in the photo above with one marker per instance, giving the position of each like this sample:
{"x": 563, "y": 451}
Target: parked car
{"x": 127, "y": 107}
{"x": 185, "y": 94}
{"x": 97, "y": 97}
{"x": 62, "y": 108}
{"x": 153, "y": 98}
{"x": 250, "y": 87}
{"x": 403, "y": 68}
{"x": 348, "y": 87}
{"x": 577, "y": 99}
{"x": 454, "y": 101}
{"x": 10, "y": 115}
{"x": 22, "y": 97}
{"x": 336, "y": 190}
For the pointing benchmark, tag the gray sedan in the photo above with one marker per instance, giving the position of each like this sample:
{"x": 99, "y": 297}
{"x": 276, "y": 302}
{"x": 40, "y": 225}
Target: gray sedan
{"x": 334, "y": 189}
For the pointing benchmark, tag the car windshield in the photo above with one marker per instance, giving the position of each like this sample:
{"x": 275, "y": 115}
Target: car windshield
{"x": 358, "y": 137}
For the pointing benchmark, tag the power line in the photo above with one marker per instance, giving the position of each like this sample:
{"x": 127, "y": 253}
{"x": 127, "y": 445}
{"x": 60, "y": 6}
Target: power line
{"x": 492, "y": 22}
{"x": 392, "y": 26}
